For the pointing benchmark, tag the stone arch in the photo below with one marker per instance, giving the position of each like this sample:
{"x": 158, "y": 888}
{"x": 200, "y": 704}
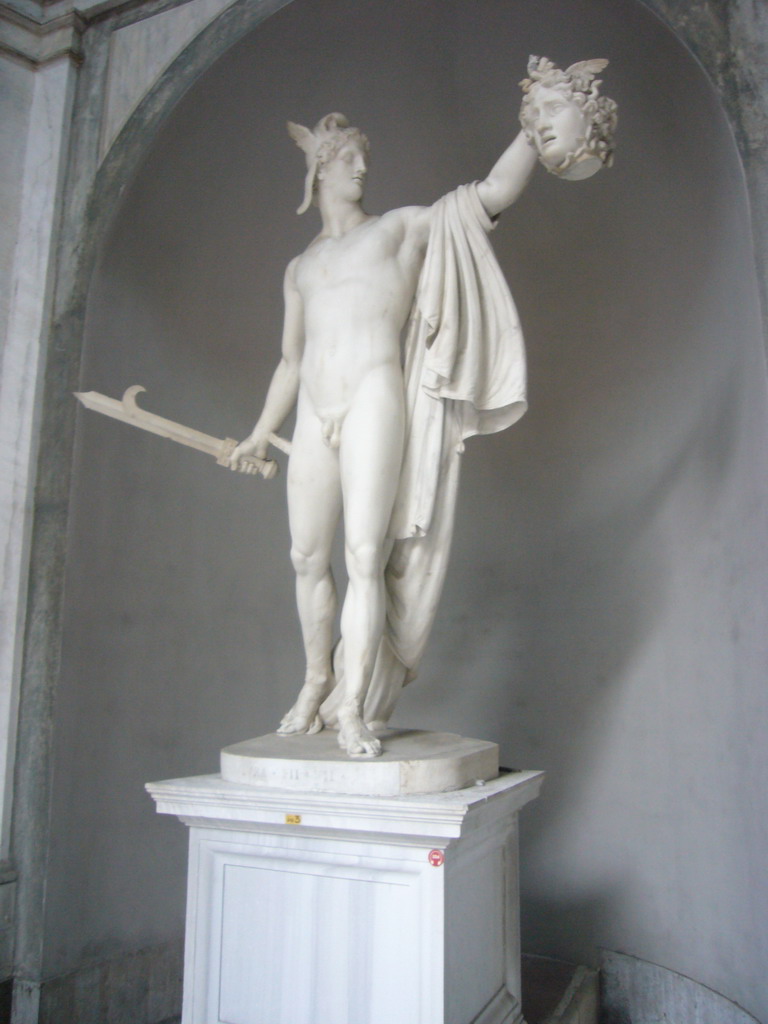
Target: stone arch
{"x": 709, "y": 32}
{"x": 729, "y": 41}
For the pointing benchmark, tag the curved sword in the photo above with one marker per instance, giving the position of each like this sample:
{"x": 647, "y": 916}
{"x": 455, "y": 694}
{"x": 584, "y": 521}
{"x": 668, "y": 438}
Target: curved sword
{"x": 127, "y": 411}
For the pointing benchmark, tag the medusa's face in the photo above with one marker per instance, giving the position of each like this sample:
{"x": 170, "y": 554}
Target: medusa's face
{"x": 557, "y": 123}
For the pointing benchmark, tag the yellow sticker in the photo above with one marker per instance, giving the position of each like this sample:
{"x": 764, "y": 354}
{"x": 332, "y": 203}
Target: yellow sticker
{"x": 293, "y": 819}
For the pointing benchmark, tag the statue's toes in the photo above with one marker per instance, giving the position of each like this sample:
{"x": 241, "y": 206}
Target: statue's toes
{"x": 365, "y": 749}
{"x": 361, "y": 746}
{"x": 289, "y": 724}
{"x": 315, "y": 726}
{"x": 295, "y": 723}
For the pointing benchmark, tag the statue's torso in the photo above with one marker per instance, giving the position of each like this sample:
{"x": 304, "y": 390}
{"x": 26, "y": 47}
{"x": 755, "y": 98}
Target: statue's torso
{"x": 357, "y": 292}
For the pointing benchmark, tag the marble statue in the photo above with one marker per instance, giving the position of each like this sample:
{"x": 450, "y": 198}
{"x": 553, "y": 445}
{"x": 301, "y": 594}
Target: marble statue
{"x": 567, "y": 120}
{"x": 380, "y": 423}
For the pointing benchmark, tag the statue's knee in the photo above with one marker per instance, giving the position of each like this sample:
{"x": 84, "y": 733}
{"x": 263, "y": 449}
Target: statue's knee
{"x": 305, "y": 563}
{"x": 364, "y": 560}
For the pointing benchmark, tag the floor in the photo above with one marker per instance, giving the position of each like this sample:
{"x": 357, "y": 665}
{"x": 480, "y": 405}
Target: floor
{"x": 544, "y": 982}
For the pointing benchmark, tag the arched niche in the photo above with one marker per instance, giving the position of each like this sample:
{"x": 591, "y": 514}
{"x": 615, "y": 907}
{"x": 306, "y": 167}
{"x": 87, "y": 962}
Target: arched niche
{"x": 603, "y": 612}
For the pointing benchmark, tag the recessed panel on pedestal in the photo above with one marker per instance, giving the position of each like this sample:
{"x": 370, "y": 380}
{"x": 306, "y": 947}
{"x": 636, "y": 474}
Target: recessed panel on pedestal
{"x": 303, "y": 943}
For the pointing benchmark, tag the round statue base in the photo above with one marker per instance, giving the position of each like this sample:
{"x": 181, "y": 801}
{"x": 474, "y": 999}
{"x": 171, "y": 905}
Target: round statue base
{"x": 412, "y": 762}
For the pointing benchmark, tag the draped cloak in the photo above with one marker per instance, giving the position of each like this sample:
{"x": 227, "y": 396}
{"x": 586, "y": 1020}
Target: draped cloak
{"x": 464, "y": 374}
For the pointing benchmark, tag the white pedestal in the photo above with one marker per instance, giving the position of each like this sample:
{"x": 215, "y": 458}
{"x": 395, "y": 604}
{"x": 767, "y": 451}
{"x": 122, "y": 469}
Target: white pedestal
{"x": 311, "y": 908}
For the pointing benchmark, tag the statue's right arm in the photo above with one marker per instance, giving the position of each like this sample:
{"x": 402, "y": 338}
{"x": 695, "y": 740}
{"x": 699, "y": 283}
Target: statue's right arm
{"x": 508, "y": 177}
{"x": 284, "y": 386}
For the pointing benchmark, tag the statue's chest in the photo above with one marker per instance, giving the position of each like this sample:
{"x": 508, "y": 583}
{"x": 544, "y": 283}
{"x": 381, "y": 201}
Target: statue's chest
{"x": 358, "y": 256}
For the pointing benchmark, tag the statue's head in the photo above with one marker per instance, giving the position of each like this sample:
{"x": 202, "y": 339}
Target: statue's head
{"x": 566, "y": 118}
{"x": 321, "y": 145}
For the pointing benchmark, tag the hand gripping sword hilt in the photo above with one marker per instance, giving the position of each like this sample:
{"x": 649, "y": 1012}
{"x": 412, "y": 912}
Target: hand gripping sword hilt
{"x": 265, "y": 467}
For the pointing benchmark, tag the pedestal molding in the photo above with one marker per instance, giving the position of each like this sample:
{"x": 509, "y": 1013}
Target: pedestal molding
{"x": 209, "y": 798}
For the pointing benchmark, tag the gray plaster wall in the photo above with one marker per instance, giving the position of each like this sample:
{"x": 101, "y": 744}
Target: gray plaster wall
{"x": 604, "y": 612}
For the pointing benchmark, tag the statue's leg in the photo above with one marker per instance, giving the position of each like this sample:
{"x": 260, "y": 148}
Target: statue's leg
{"x": 370, "y": 460}
{"x": 314, "y": 507}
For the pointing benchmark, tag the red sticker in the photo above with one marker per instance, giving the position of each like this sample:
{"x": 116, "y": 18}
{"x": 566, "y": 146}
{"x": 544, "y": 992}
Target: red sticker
{"x": 436, "y": 858}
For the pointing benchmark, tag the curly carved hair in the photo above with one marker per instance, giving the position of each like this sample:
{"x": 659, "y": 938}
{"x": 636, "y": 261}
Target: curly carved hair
{"x": 580, "y": 86}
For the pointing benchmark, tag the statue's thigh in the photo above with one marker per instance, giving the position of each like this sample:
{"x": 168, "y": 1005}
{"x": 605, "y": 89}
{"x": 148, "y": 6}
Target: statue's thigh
{"x": 314, "y": 489}
{"x": 371, "y": 456}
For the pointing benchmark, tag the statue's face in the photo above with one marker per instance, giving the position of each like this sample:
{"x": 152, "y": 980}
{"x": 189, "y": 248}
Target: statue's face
{"x": 343, "y": 176}
{"x": 558, "y": 124}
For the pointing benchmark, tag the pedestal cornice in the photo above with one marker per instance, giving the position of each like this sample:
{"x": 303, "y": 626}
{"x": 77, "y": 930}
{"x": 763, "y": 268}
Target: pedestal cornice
{"x": 210, "y": 799}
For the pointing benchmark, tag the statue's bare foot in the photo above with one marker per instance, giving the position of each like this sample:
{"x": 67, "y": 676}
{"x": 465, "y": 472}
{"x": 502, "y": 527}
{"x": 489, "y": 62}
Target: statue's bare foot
{"x": 355, "y": 737}
{"x": 304, "y": 717}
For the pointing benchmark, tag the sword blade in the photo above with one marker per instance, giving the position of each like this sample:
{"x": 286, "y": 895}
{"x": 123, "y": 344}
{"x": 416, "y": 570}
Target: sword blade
{"x": 127, "y": 411}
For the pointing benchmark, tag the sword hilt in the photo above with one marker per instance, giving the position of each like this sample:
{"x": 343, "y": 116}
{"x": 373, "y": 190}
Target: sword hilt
{"x": 265, "y": 467}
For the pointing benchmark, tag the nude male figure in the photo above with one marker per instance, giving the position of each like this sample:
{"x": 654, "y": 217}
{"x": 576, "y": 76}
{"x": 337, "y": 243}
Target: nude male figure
{"x": 347, "y": 298}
